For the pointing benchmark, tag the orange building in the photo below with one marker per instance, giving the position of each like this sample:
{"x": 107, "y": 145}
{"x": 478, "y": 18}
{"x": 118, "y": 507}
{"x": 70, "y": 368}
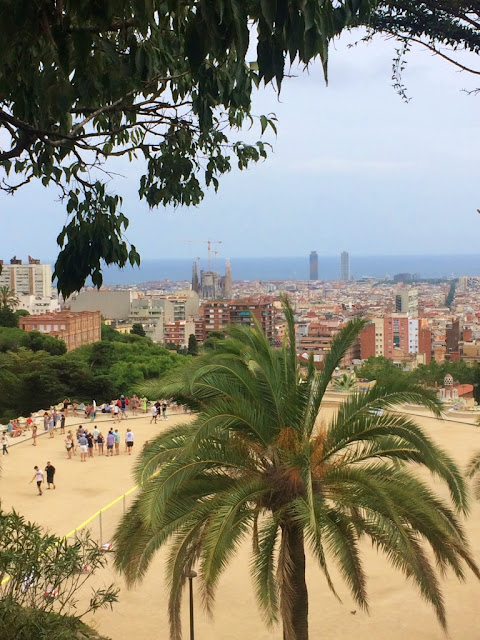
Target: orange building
{"x": 395, "y": 331}
{"x": 74, "y": 328}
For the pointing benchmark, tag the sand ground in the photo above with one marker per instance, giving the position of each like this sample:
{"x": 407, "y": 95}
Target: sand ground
{"x": 396, "y": 610}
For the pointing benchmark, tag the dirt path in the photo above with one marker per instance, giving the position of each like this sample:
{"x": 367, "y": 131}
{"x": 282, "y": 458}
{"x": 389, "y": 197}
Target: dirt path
{"x": 396, "y": 610}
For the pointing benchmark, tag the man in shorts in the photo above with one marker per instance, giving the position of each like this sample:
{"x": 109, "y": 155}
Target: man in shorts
{"x": 83, "y": 444}
{"x": 50, "y": 469}
{"x": 110, "y": 443}
{"x": 154, "y": 414}
{"x": 38, "y": 477}
{"x": 129, "y": 438}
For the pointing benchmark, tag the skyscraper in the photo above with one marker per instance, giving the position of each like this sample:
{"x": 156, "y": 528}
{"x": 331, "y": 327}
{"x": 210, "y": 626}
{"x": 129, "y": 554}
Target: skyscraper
{"x": 228, "y": 280}
{"x": 313, "y": 265}
{"x": 344, "y": 266}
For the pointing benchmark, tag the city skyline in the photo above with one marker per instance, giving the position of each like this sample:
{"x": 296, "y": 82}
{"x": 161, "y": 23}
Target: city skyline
{"x": 330, "y": 175}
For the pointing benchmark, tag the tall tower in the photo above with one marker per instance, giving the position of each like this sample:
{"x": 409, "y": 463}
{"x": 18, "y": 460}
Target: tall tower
{"x": 344, "y": 266}
{"x": 313, "y": 265}
{"x": 228, "y": 280}
{"x": 195, "y": 278}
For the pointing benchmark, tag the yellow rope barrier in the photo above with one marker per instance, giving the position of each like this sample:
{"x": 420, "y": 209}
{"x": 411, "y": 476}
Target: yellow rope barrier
{"x": 90, "y": 519}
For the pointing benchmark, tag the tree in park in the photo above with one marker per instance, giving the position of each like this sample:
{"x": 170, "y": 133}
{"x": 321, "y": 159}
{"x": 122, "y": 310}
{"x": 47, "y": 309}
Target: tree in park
{"x": 165, "y": 82}
{"x": 256, "y": 462}
{"x": 40, "y": 579}
{"x": 8, "y": 298}
{"x": 138, "y": 330}
{"x": 192, "y": 345}
{"x": 447, "y": 28}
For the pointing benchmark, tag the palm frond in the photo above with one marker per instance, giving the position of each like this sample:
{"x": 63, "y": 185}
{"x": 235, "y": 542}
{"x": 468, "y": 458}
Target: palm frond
{"x": 339, "y": 346}
{"x": 263, "y": 568}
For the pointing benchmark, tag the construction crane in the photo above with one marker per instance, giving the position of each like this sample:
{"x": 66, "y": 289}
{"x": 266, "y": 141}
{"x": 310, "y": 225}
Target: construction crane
{"x": 209, "y": 248}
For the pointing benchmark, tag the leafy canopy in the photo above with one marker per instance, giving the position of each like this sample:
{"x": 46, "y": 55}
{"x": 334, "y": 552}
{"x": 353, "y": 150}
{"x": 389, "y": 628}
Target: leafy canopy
{"x": 34, "y": 563}
{"x": 82, "y": 82}
{"x": 256, "y": 462}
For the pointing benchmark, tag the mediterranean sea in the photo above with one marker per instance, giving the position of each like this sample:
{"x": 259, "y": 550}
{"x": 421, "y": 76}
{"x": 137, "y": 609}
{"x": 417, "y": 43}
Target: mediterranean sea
{"x": 297, "y": 268}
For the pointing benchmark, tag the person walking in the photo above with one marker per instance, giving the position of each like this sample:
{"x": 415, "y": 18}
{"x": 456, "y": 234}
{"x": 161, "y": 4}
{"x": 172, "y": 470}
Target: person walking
{"x": 110, "y": 443}
{"x": 45, "y": 421}
{"x": 4, "y": 442}
{"x": 62, "y": 422}
{"x": 83, "y": 443}
{"x": 134, "y": 404}
{"x": 95, "y": 433}
{"x": 117, "y": 442}
{"x": 115, "y": 413}
{"x": 100, "y": 441}
{"x": 50, "y": 469}
{"x": 66, "y": 402}
{"x": 164, "y": 411}
{"x": 89, "y": 437}
{"x": 34, "y": 433}
{"x": 144, "y": 402}
{"x": 51, "y": 426}
{"x": 154, "y": 414}
{"x": 69, "y": 446}
{"x": 38, "y": 476}
{"x": 123, "y": 407}
{"x": 129, "y": 438}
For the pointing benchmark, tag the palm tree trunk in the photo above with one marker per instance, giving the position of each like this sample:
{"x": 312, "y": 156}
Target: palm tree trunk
{"x": 294, "y": 594}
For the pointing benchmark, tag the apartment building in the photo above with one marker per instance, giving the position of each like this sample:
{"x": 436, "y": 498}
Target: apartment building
{"x": 218, "y": 314}
{"x": 27, "y": 279}
{"x": 178, "y": 332}
{"x": 74, "y": 328}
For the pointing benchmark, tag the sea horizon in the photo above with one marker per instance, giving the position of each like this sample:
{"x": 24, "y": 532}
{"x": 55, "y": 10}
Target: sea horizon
{"x": 297, "y": 268}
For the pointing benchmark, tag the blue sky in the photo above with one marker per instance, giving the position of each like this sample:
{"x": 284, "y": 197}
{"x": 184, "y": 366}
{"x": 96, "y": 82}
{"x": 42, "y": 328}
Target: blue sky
{"x": 353, "y": 167}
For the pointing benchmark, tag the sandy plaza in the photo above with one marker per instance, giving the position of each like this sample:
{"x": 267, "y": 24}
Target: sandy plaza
{"x": 396, "y": 609}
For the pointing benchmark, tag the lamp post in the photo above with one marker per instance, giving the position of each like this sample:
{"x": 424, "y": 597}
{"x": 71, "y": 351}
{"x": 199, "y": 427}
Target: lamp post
{"x": 191, "y": 575}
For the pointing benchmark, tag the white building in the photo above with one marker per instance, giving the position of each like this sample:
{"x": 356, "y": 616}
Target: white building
{"x": 113, "y": 305}
{"x": 30, "y": 279}
{"x": 413, "y": 324}
{"x": 36, "y": 305}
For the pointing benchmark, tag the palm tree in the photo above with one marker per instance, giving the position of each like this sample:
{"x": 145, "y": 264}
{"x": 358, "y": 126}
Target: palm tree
{"x": 254, "y": 461}
{"x": 8, "y": 298}
{"x": 345, "y": 382}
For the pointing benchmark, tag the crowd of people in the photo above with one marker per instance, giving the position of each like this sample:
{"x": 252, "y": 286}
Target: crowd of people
{"x": 85, "y": 441}
{"x": 90, "y": 442}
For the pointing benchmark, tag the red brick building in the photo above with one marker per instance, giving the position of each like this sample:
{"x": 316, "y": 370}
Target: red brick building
{"x": 367, "y": 342}
{"x": 74, "y": 328}
{"x": 425, "y": 344}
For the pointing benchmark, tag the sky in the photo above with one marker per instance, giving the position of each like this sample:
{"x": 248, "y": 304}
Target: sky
{"x": 352, "y": 168}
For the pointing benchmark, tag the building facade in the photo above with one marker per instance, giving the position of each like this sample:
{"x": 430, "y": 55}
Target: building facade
{"x": 114, "y": 305}
{"x": 29, "y": 279}
{"x": 75, "y": 329}
{"x": 179, "y": 332}
{"x": 313, "y": 265}
{"x": 218, "y": 314}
